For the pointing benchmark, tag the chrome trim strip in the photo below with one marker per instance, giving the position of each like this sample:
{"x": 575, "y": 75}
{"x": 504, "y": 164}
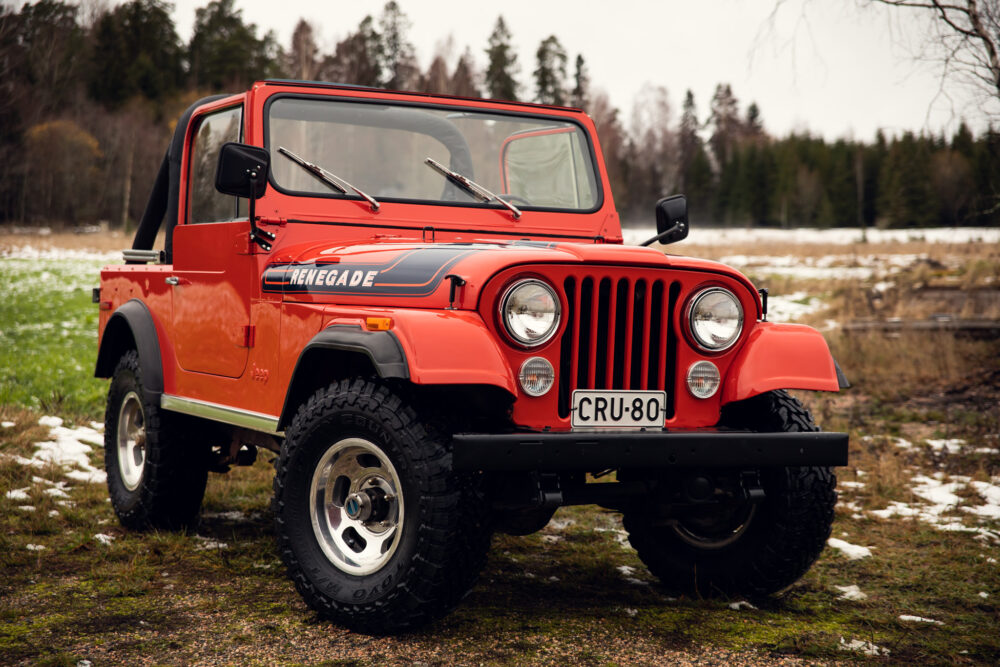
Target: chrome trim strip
{"x": 254, "y": 421}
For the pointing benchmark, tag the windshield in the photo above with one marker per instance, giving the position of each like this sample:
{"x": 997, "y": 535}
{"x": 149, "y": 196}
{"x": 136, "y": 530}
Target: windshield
{"x": 532, "y": 162}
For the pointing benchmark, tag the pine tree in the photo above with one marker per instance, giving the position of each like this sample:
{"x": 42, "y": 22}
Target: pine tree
{"x": 225, "y": 53}
{"x": 358, "y": 57}
{"x": 580, "y": 97}
{"x": 463, "y": 80}
{"x": 502, "y": 68}
{"x": 550, "y": 74}
{"x": 397, "y": 61}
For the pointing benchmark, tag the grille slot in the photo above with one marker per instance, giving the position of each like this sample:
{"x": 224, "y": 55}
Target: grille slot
{"x": 618, "y": 336}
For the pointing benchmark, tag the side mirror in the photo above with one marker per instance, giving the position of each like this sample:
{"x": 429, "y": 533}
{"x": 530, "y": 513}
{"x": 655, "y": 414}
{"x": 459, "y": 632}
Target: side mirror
{"x": 671, "y": 220}
{"x": 242, "y": 171}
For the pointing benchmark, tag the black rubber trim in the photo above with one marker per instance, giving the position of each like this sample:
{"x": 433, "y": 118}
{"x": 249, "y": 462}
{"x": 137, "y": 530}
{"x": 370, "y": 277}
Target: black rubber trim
{"x": 134, "y": 315}
{"x": 381, "y": 347}
{"x": 601, "y": 450}
{"x": 521, "y": 234}
{"x": 841, "y": 378}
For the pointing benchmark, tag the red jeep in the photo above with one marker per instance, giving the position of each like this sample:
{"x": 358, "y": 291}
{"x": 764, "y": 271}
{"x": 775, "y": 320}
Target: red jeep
{"x": 423, "y": 305}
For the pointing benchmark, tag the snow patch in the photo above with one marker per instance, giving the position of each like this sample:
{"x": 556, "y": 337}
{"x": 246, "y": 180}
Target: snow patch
{"x": 851, "y": 551}
{"x": 29, "y": 252}
{"x": 983, "y": 594}
{"x": 742, "y": 604}
{"x": 918, "y": 619}
{"x": 233, "y": 515}
{"x": 941, "y": 495}
{"x": 207, "y": 543}
{"x": 991, "y": 492}
{"x": 864, "y": 647}
{"x": 18, "y": 494}
{"x": 716, "y": 236}
{"x": 788, "y": 308}
{"x": 902, "y": 443}
{"x": 104, "y": 539}
{"x": 552, "y": 539}
{"x": 620, "y": 536}
{"x": 26, "y": 508}
{"x": 626, "y": 570}
{"x": 631, "y": 612}
{"x": 68, "y": 449}
{"x": 851, "y": 592}
{"x": 948, "y": 445}
{"x": 560, "y": 524}
{"x": 35, "y": 547}
{"x": 8, "y": 424}
{"x": 851, "y": 485}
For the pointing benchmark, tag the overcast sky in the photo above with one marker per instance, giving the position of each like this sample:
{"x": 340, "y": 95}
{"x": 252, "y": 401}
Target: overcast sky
{"x": 833, "y": 67}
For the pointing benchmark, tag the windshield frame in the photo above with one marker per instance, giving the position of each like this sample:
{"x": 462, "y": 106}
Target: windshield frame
{"x": 459, "y": 108}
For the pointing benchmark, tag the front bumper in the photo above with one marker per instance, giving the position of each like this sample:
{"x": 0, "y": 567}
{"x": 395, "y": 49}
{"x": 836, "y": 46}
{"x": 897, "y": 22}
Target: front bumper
{"x": 602, "y": 450}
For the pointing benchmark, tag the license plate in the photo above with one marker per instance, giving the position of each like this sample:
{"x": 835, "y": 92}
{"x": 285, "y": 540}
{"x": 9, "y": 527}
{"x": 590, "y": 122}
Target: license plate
{"x": 618, "y": 409}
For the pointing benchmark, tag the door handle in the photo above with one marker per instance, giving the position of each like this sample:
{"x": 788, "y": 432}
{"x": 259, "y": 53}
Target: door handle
{"x": 175, "y": 280}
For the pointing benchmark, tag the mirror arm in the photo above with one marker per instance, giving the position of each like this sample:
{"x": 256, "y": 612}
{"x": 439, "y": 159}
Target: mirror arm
{"x": 257, "y": 235}
{"x": 678, "y": 226}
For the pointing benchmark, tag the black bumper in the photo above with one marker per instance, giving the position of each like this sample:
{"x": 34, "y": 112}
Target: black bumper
{"x": 601, "y": 450}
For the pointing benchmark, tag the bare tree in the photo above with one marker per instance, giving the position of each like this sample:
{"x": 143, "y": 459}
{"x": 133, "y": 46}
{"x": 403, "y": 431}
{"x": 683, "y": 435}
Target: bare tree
{"x": 966, "y": 39}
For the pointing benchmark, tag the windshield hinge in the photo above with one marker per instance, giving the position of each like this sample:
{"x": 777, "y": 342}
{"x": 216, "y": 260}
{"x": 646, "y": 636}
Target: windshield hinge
{"x": 425, "y": 232}
{"x": 456, "y": 282}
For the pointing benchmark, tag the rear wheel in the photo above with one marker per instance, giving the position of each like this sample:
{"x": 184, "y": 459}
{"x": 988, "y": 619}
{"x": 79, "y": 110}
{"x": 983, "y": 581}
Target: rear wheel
{"x": 156, "y": 473}
{"x": 751, "y": 548}
{"x": 377, "y": 531}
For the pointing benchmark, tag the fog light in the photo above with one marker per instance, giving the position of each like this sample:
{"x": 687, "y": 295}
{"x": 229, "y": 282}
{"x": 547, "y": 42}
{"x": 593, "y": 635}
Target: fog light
{"x": 703, "y": 379}
{"x": 536, "y": 376}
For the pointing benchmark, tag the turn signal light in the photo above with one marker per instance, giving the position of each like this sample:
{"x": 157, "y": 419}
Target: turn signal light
{"x": 379, "y": 323}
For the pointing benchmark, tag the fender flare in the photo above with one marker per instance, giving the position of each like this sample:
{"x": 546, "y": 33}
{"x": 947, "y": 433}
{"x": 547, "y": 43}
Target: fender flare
{"x": 381, "y": 347}
{"x": 782, "y": 356}
{"x": 131, "y": 325}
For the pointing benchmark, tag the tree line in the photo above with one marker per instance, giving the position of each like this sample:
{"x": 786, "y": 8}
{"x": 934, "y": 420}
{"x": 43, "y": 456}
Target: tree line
{"x": 88, "y": 100}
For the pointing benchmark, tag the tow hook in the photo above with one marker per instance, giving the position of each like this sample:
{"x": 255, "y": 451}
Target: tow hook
{"x": 751, "y": 486}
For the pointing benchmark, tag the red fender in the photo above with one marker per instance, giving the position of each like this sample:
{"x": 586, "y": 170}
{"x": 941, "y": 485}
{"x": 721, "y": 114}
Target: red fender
{"x": 780, "y": 356}
{"x": 451, "y": 347}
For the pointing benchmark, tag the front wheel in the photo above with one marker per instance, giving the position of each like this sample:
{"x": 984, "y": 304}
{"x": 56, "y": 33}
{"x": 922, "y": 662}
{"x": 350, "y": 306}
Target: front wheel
{"x": 376, "y": 530}
{"x": 744, "y": 547}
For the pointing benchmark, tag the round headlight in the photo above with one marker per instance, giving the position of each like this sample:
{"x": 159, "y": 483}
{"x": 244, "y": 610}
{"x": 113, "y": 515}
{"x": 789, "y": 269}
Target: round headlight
{"x": 530, "y": 312}
{"x": 716, "y": 319}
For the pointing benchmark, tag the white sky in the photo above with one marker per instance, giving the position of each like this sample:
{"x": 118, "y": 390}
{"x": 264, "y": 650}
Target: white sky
{"x": 833, "y": 67}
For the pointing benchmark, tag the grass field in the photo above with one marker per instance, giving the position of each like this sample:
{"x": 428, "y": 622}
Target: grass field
{"x": 922, "y": 495}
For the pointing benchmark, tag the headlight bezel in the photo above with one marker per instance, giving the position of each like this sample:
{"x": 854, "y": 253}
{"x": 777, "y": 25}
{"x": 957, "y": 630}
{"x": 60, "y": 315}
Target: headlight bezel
{"x": 506, "y": 326}
{"x": 693, "y": 302}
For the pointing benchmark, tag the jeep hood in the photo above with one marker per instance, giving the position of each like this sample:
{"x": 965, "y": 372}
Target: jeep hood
{"x": 416, "y": 274}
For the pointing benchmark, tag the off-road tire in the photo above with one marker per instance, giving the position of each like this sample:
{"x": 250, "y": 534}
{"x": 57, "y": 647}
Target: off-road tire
{"x": 783, "y": 537}
{"x": 170, "y": 482}
{"x": 444, "y": 532}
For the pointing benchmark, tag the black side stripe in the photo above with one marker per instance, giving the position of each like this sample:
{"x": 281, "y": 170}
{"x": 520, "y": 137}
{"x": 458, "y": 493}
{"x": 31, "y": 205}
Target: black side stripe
{"x": 412, "y": 273}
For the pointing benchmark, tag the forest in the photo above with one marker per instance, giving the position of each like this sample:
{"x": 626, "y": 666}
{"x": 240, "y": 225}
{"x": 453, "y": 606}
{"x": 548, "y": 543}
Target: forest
{"x": 89, "y": 95}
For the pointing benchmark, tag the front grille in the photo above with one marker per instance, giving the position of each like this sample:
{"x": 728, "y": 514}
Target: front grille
{"x": 618, "y": 335}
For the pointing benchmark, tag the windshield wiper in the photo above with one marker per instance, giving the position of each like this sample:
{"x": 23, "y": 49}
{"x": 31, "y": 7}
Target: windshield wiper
{"x": 470, "y": 186}
{"x": 334, "y": 181}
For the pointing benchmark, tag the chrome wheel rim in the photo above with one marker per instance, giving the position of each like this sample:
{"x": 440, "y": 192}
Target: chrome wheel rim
{"x": 719, "y": 531}
{"x": 131, "y": 441}
{"x": 356, "y": 506}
